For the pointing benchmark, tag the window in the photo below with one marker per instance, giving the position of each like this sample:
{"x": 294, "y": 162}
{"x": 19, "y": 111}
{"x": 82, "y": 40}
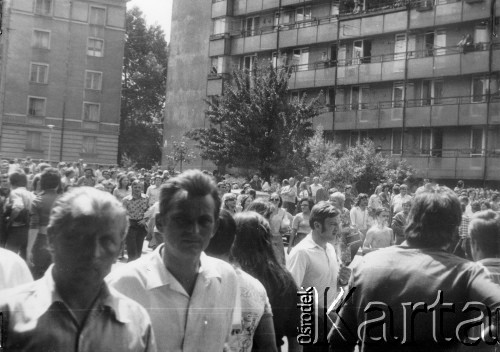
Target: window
{"x": 303, "y": 14}
{"x": 220, "y": 26}
{"x": 95, "y": 47}
{"x": 403, "y": 47}
{"x": 36, "y": 106}
{"x": 357, "y": 137}
{"x": 89, "y": 145}
{"x": 248, "y": 62}
{"x": 398, "y": 95}
{"x": 301, "y": 58}
{"x": 43, "y": 7}
{"x": 93, "y": 80}
{"x": 361, "y": 52}
{"x": 252, "y": 25}
{"x": 91, "y": 112}
{"x": 396, "y": 141}
{"x": 33, "y": 140}
{"x": 479, "y": 89}
{"x": 359, "y": 97}
{"x": 477, "y": 141}
{"x": 41, "y": 39}
{"x": 97, "y": 16}
{"x": 440, "y": 42}
{"x": 429, "y": 44}
{"x": 437, "y": 142}
{"x": 432, "y": 92}
{"x": 425, "y": 141}
{"x": 216, "y": 67}
{"x": 334, "y": 10}
{"x": 39, "y": 73}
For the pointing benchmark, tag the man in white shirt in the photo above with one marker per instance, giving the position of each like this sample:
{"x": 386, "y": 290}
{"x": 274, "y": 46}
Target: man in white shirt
{"x": 314, "y": 187}
{"x": 314, "y": 263}
{"x": 400, "y": 199}
{"x": 189, "y": 296}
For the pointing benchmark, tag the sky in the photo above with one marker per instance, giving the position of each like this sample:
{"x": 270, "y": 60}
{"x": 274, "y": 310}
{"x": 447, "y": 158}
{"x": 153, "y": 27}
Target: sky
{"x": 155, "y": 12}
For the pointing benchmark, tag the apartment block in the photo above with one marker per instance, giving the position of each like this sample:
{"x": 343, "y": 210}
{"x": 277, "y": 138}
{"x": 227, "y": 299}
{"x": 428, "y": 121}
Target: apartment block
{"x": 60, "y": 82}
{"x": 418, "y": 77}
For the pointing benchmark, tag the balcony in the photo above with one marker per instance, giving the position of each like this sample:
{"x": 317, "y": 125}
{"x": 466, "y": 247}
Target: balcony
{"x": 221, "y": 8}
{"x": 432, "y": 112}
{"x": 215, "y": 84}
{"x": 308, "y": 32}
{"x": 319, "y": 74}
{"x": 243, "y": 7}
{"x": 219, "y": 45}
{"x": 430, "y": 13}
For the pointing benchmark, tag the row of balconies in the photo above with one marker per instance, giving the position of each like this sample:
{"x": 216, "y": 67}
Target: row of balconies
{"x": 456, "y": 111}
{"x": 456, "y": 167}
{"x": 442, "y": 62}
{"x": 222, "y": 8}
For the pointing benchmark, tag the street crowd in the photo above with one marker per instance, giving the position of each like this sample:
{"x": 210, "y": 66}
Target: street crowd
{"x": 228, "y": 259}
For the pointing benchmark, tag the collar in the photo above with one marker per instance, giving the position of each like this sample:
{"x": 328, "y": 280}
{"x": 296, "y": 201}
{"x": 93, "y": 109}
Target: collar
{"x": 158, "y": 275}
{"x": 309, "y": 242}
{"x": 46, "y": 295}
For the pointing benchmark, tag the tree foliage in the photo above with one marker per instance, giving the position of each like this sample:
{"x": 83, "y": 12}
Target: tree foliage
{"x": 361, "y": 165}
{"x": 255, "y": 124}
{"x": 143, "y": 90}
{"x": 181, "y": 154}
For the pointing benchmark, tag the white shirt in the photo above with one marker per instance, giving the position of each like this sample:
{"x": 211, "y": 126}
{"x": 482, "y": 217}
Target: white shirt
{"x": 314, "y": 189}
{"x": 314, "y": 266}
{"x": 360, "y": 218}
{"x": 200, "y": 322}
{"x": 398, "y": 200}
{"x": 13, "y": 270}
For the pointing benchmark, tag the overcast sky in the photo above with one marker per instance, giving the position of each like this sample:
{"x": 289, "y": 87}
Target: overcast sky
{"x": 155, "y": 12}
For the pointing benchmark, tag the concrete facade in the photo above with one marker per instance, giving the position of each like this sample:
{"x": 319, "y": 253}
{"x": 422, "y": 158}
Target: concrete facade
{"x": 187, "y": 73}
{"x": 392, "y": 71}
{"x": 61, "y": 66}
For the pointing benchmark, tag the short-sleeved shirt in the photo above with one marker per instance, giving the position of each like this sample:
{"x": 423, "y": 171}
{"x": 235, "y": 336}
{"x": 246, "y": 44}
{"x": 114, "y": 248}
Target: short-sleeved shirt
{"x": 36, "y": 318}
{"x": 202, "y": 321}
{"x": 153, "y": 193}
{"x": 13, "y": 270}
{"x": 136, "y": 207}
{"x": 314, "y": 266}
{"x": 254, "y": 305}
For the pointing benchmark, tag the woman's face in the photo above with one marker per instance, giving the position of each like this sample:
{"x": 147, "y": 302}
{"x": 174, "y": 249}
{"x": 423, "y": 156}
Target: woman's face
{"x": 125, "y": 182}
{"x": 304, "y": 206}
{"x": 275, "y": 199}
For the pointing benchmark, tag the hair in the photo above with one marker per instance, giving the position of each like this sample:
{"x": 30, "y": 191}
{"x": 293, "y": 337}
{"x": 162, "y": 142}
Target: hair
{"x": 68, "y": 172}
{"x": 434, "y": 218}
{"x": 460, "y": 183}
{"x": 18, "y": 178}
{"x": 484, "y": 229}
{"x": 253, "y": 250}
{"x": 359, "y": 198}
{"x": 50, "y": 179}
{"x": 228, "y": 196}
{"x": 486, "y": 203}
{"x": 261, "y": 206}
{"x": 80, "y": 206}
{"x": 320, "y": 212}
{"x": 121, "y": 177}
{"x": 192, "y": 182}
{"x": 381, "y": 210}
{"x": 303, "y": 186}
{"x": 338, "y": 195}
{"x": 221, "y": 242}
{"x": 475, "y": 206}
{"x": 280, "y": 203}
{"x": 285, "y": 182}
{"x": 135, "y": 182}
{"x": 309, "y": 200}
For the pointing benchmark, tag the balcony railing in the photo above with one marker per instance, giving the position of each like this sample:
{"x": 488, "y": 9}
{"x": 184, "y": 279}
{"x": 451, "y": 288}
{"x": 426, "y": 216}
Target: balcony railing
{"x": 372, "y": 6}
{"x": 462, "y": 100}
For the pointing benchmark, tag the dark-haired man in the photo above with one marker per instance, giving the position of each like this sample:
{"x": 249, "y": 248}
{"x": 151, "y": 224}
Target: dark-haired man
{"x": 484, "y": 231}
{"x": 189, "y": 296}
{"x": 314, "y": 263}
{"x": 418, "y": 282}
{"x": 71, "y": 308}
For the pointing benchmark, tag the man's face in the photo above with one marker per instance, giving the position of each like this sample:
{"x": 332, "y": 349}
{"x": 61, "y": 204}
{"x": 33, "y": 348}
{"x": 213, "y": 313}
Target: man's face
{"x": 231, "y": 203}
{"x": 347, "y": 190}
{"x": 105, "y": 175}
{"x": 88, "y": 173}
{"x": 315, "y": 180}
{"x": 188, "y": 225}
{"x": 336, "y": 203}
{"x": 255, "y": 178}
{"x": 221, "y": 189}
{"x": 363, "y": 202}
{"x": 383, "y": 218}
{"x": 158, "y": 181}
{"x": 330, "y": 229}
{"x": 86, "y": 252}
{"x": 403, "y": 191}
{"x": 291, "y": 181}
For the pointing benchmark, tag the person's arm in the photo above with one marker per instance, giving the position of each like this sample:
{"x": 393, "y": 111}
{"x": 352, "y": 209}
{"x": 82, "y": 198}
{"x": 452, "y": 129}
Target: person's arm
{"x": 293, "y": 233}
{"x": 393, "y": 238}
{"x": 297, "y": 265}
{"x": 367, "y": 245}
{"x": 264, "y": 338}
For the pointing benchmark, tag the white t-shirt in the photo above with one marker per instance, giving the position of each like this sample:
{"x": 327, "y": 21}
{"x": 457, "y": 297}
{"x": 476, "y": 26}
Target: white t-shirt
{"x": 13, "y": 270}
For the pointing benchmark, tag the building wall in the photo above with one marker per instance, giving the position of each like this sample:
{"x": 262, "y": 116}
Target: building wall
{"x": 188, "y": 66}
{"x": 65, "y": 93}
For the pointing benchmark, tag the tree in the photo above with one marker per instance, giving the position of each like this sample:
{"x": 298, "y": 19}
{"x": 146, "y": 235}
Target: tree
{"x": 361, "y": 165}
{"x": 181, "y": 154}
{"x": 143, "y": 91}
{"x": 255, "y": 124}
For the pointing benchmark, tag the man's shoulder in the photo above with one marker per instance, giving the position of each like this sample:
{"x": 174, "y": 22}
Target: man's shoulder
{"x": 224, "y": 269}
{"x": 127, "y": 308}
{"x": 133, "y": 275}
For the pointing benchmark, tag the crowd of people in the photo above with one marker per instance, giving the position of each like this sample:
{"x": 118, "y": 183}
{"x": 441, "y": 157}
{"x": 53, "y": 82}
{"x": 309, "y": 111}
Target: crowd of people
{"x": 228, "y": 261}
